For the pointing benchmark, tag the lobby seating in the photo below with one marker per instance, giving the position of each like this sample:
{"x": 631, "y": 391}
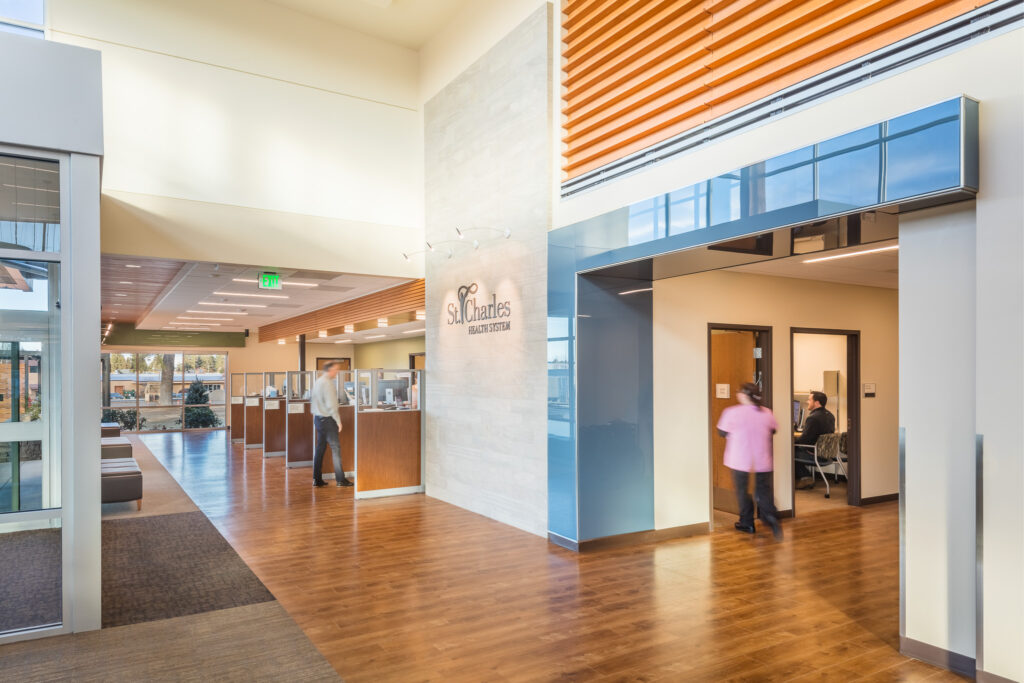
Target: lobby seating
{"x": 109, "y": 429}
{"x": 115, "y": 447}
{"x": 120, "y": 481}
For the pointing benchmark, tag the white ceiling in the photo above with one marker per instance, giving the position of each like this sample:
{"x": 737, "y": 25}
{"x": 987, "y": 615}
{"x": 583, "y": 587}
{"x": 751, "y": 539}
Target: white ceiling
{"x": 871, "y": 270}
{"x": 185, "y": 303}
{"x": 409, "y": 23}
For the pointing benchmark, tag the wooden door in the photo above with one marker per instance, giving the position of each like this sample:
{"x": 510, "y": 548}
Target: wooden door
{"x": 733, "y": 364}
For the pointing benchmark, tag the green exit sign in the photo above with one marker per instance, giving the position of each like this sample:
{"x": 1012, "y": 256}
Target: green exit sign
{"x": 270, "y": 281}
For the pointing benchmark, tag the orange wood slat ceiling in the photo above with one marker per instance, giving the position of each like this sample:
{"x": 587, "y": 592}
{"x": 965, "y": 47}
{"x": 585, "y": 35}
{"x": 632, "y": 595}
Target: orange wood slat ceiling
{"x": 404, "y": 298}
{"x": 637, "y": 72}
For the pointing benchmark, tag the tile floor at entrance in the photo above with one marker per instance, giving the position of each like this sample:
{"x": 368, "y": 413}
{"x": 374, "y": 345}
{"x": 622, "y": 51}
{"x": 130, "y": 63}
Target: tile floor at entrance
{"x": 412, "y": 588}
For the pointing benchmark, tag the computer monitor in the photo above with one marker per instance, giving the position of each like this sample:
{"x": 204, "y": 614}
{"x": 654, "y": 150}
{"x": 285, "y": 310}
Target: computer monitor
{"x": 392, "y": 391}
{"x": 797, "y": 410}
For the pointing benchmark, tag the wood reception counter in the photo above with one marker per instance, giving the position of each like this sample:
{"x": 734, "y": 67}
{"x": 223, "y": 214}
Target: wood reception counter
{"x": 388, "y": 452}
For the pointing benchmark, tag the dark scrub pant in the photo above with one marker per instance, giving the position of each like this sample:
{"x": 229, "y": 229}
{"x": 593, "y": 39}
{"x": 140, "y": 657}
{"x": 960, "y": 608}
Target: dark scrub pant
{"x": 326, "y": 433}
{"x": 763, "y": 484}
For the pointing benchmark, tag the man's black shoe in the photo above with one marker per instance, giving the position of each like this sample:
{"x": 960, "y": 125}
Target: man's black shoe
{"x": 745, "y": 528}
{"x": 344, "y": 482}
{"x": 318, "y": 484}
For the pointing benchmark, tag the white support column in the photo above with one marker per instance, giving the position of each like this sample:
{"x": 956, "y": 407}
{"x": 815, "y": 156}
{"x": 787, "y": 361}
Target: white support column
{"x": 81, "y": 396}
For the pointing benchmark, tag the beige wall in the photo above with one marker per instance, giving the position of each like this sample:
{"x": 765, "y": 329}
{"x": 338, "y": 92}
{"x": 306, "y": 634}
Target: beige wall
{"x": 242, "y": 131}
{"x": 256, "y": 357}
{"x": 392, "y": 355}
{"x": 814, "y": 354}
{"x": 684, "y": 306}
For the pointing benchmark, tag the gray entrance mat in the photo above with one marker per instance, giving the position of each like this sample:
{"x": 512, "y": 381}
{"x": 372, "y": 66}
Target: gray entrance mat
{"x": 170, "y": 566}
{"x": 30, "y": 592}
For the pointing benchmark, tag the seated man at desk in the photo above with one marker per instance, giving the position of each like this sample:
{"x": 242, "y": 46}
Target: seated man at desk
{"x": 818, "y": 421}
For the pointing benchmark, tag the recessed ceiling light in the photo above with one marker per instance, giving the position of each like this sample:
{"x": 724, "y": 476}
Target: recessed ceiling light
{"x": 636, "y": 291}
{"x": 421, "y": 315}
{"x": 414, "y": 331}
{"x": 208, "y": 312}
{"x": 120, "y": 295}
{"x": 281, "y": 341}
{"x": 188, "y": 317}
{"x": 117, "y": 304}
{"x": 131, "y": 265}
{"x": 349, "y": 329}
{"x": 893, "y": 247}
{"x": 195, "y": 324}
{"x": 210, "y": 303}
{"x": 343, "y": 341}
{"x": 382, "y": 322}
{"x": 322, "y": 333}
{"x": 122, "y": 282}
{"x": 377, "y": 336}
{"x": 261, "y": 296}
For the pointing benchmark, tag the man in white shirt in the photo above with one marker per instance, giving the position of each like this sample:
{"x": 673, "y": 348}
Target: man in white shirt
{"x": 327, "y": 421}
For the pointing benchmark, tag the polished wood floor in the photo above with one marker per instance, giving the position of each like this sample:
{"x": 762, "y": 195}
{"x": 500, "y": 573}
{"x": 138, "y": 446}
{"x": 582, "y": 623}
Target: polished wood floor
{"x": 413, "y": 589}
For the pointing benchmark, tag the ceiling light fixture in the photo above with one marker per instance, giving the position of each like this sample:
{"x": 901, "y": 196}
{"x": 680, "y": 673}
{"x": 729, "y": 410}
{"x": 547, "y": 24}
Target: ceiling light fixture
{"x": 281, "y": 342}
{"x": 208, "y": 303}
{"x": 350, "y": 328}
{"x": 322, "y": 333}
{"x": 126, "y": 283}
{"x": 377, "y": 336}
{"x": 195, "y": 324}
{"x": 208, "y": 312}
{"x": 636, "y": 291}
{"x": 261, "y": 296}
{"x": 421, "y": 315}
{"x": 120, "y": 295}
{"x": 343, "y": 341}
{"x": 188, "y": 317}
{"x": 131, "y": 265}
{"x": 893, "y": 247}
{"x": 382, "y": 322}
{"x": 415, "y": 331}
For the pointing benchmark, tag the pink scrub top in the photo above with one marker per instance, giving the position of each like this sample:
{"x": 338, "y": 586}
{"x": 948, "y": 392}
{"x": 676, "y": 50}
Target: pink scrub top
{"x": 749, "y": 444}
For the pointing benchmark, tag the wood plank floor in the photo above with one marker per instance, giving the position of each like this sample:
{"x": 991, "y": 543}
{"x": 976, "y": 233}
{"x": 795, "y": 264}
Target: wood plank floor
{"x": 413, "y": 589}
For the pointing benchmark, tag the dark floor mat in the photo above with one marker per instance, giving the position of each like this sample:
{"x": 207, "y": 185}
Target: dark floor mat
{"x": 30, "y": 592}
{"x": 171, "y": 566}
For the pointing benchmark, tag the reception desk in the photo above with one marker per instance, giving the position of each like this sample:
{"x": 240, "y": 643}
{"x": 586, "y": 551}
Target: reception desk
{"x": 275, "y": 428}
{"x": 237, "y": 408}
{"x": 388, "y": 453}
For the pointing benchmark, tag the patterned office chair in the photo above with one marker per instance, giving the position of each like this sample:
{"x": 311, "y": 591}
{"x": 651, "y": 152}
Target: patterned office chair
{"x": 823, "y": 453}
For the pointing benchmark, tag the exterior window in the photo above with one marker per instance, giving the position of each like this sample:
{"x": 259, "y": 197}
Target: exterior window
{"x": 24, "y": 17}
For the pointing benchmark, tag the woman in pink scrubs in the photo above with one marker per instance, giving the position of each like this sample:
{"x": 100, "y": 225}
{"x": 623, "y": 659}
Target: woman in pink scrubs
{"x": 748, "y": 429}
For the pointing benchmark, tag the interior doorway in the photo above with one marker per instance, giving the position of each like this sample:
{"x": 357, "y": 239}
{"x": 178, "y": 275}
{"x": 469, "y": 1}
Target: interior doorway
{"x": 827, "y": 361}
{"x": 737, "y": 354}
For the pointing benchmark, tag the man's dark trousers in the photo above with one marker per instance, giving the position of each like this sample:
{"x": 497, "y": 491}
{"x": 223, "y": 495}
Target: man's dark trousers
{"x": 326, "y": 433}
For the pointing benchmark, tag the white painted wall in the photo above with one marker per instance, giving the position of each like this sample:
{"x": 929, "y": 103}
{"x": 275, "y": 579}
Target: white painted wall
{"x": 684, "y": 306}
{"x": 238, "y": 106}
{"x": 937, "y": 411}
{"x": 814, "y": 354}
{"x": 475, "y": 29}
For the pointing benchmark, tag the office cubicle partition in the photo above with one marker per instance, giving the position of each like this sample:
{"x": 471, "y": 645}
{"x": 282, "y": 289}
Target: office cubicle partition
{"x": 299, "y": 420}
{"x": 275, "y": 430}
{"x": 237, "y": 392}
{"x": 388, "y": 433}
{"x": 254, "y": 410}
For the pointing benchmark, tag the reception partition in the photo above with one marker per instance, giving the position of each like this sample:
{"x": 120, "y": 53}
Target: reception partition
{"x": 299, "y": 420}
{"x": 275, "y": 429}
{"x": 254, "y": 410}
{"x": 237, "y": 415}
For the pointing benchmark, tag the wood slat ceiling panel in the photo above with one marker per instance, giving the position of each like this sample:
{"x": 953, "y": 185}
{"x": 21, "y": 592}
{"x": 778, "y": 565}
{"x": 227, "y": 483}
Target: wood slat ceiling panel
{"x": 127, "y": 293}
{"x": 404, "y": 298}
{"x": 638, "y": 73}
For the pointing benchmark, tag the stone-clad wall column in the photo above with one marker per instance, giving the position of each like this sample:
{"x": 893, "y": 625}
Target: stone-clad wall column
{"x": 488, "y": 138}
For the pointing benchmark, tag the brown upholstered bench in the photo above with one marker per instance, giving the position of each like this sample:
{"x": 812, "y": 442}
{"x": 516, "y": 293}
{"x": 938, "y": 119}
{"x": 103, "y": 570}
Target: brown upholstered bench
{"x": 110, "y": 429}
{"x": 115, "y": 447}
{"x": 120, "y": 481}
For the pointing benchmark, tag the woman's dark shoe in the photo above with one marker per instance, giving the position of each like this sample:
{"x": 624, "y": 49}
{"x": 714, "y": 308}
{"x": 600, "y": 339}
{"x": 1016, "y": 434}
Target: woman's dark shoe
{"x": 745, "y": 528}
{"x": 318, "y": 484}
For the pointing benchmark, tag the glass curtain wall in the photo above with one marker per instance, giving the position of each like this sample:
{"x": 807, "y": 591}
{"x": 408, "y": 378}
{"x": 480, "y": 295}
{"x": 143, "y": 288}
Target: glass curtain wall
{"x": 163, "y": 391}
{"x": 31, "y": 534}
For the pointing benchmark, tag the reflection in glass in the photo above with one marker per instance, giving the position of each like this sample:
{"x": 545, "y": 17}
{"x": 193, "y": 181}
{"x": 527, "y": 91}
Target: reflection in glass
{"x": 788, "y": 180}
{"x": 923, "y": 161}
{"x": 851, "y": 179}
{"x": 725, "y": 198}
{"x": 25, "y": 11}
{"x": 20, "y": 386}
{"x": 688, "y": 209}
{"x": 647, "y": 220}
{"x": 29, "y": 204}
{"x": 21, "y": 475}
{"x": 126, "y": 418}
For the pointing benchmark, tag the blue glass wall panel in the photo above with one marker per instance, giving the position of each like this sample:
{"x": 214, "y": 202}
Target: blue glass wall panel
{"x": 615, "y": 410}
{"x": 928, "y": 152}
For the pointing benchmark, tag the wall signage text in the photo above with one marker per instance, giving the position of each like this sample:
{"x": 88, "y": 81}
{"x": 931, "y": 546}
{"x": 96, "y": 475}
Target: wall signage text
{"x": 479, "y": 316}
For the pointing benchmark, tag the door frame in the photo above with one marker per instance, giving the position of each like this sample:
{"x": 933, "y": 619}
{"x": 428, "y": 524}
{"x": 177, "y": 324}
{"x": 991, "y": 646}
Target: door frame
{"x": 769, "y": 384}
{"x": 853, "y": 397}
